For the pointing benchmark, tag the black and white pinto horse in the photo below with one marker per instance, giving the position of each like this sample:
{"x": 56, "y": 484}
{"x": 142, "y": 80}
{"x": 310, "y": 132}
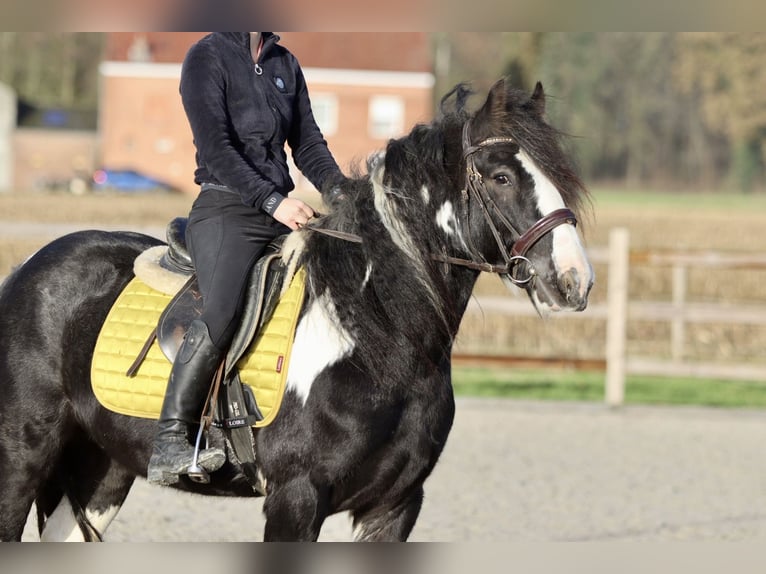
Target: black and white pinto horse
{"x": 369, "y": 402}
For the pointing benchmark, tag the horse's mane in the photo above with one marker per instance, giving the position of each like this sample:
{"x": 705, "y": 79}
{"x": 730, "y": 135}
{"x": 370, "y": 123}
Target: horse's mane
{"x": 388, "y": 276}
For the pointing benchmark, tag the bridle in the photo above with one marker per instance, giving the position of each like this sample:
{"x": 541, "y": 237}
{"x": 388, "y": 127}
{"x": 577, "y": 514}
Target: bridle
{"x": 475, "y": 188}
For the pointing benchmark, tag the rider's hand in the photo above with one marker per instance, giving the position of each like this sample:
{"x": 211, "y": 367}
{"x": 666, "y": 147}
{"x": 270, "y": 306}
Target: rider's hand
{"x": 293, "y": 213}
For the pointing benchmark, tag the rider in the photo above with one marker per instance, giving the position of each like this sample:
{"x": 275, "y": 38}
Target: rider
{"x": 245, "y": 96}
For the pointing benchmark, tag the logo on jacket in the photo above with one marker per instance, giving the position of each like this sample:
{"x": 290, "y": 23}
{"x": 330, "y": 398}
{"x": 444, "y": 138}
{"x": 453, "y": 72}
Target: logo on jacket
{"x": 279, "y": 83}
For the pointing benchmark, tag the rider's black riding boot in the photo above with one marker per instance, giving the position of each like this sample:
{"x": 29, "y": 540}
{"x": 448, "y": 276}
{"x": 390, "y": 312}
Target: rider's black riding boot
{"x": 190, "y": 379}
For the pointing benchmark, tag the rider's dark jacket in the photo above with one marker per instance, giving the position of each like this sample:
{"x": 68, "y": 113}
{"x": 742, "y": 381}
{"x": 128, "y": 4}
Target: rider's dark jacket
{"x": 241, "y": 114}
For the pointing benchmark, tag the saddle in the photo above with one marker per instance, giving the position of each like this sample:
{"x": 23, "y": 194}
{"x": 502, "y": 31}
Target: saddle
{"x": 236, "y": 409}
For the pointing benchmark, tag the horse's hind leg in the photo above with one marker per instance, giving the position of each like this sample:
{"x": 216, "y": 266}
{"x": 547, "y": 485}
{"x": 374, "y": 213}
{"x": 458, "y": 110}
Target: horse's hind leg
{"x": 83, "y": 496}
{"x": 28, "y": 451}
{"x": 388, "y": 524}
{"x": 16, "y": 496}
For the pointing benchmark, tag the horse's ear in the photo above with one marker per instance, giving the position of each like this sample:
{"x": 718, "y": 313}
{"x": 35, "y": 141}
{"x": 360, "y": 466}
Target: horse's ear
{"x": 538, "y": 99}
{"x": 496, "y": 101}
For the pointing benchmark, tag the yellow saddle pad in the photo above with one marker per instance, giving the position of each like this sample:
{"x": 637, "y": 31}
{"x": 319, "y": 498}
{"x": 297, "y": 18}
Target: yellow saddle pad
{"x": 263, "y": 367}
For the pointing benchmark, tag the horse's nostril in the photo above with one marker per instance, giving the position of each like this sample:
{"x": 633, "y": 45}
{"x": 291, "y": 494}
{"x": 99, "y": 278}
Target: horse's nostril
{"x": 569, "y": 283}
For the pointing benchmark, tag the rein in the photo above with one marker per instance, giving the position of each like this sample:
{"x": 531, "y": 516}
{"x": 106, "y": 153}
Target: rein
{"x": 475, "y": 188}
{"x": 331, "y": 232}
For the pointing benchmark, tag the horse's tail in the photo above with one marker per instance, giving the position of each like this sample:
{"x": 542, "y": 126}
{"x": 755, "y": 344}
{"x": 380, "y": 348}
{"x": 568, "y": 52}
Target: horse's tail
{"x": 50, "y": 498}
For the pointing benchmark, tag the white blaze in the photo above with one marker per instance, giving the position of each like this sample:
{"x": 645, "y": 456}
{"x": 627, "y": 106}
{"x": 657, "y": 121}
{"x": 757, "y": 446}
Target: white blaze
{"x": 568, "y": 252}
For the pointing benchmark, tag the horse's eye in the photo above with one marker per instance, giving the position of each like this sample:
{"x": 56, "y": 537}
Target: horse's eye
{"x": 501, "y": 179}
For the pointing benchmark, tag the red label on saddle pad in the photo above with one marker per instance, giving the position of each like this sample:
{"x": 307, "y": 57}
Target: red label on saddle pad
{"x": 280, "y": 362}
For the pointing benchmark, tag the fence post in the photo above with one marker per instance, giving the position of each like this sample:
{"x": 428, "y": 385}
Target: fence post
{"x": 617, "y": 316}
{"x": 677, "y": 327}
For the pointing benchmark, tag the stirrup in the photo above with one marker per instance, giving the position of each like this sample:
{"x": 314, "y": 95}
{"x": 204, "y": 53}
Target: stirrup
{"x": 195, "y": 472}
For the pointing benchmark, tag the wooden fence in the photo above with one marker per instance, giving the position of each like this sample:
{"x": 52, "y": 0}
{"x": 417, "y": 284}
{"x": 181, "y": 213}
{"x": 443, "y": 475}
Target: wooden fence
{"x": 618, "y": 311}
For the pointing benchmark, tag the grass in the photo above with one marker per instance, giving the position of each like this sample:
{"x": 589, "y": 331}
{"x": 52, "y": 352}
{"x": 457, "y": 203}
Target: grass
{"x": 589, "y": 386}
{"x": 696, "y": 202}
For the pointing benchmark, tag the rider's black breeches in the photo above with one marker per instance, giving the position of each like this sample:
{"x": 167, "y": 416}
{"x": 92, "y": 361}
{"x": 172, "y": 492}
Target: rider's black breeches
{"x": 225, "y": 238}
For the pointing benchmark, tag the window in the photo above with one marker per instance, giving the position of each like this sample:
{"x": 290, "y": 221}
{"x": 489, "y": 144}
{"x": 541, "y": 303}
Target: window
{"x": 386, "y": 116}
{"x": 325, "y": 108}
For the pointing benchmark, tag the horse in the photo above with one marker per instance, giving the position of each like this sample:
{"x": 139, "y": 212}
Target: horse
{"x": 369, "y": 402}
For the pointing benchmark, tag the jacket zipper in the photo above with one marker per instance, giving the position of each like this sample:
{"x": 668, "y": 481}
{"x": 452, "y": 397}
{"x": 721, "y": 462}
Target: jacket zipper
{"x": 265, "y": 89}
{"x": 265, "y": 44}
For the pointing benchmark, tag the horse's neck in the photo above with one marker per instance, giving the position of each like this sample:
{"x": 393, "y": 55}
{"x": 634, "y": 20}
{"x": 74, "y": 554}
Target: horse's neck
{"x": 461, "y": 283}
{"x": 443, "y": 300}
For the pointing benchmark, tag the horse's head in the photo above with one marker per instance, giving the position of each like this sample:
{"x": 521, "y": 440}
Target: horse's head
{"x": 520, "y": 197}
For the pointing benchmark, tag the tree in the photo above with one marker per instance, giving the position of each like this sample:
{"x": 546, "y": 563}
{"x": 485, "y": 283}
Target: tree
{"x": 614, "y": 90}
{"x": 52, "y": 69}
{"x": 483, "y": 58}
{"x": 726, "y": 71}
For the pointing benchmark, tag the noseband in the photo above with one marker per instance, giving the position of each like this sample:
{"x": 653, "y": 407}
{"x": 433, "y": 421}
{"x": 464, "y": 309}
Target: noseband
{"x": 475, "y": 188}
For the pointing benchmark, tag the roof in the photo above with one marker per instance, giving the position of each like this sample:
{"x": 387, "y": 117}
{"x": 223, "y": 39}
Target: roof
{"x": 387, "y": 51}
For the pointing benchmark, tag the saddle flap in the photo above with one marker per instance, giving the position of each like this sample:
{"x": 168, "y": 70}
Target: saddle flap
{"x": 185, "y": 306}
{"x": 262, "y": 296}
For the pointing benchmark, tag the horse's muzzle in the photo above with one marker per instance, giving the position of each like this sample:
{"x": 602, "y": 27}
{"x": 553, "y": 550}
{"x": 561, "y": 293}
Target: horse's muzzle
{"x": 574, "y": 289}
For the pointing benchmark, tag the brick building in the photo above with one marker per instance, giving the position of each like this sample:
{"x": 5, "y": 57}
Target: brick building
{"x": 365, "y": 88}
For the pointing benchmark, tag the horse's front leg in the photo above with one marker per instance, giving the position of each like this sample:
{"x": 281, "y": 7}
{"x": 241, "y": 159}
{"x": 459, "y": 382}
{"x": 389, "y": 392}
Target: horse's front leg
{"x": 295, "y": 511}
{"x": 389, "y": 524}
